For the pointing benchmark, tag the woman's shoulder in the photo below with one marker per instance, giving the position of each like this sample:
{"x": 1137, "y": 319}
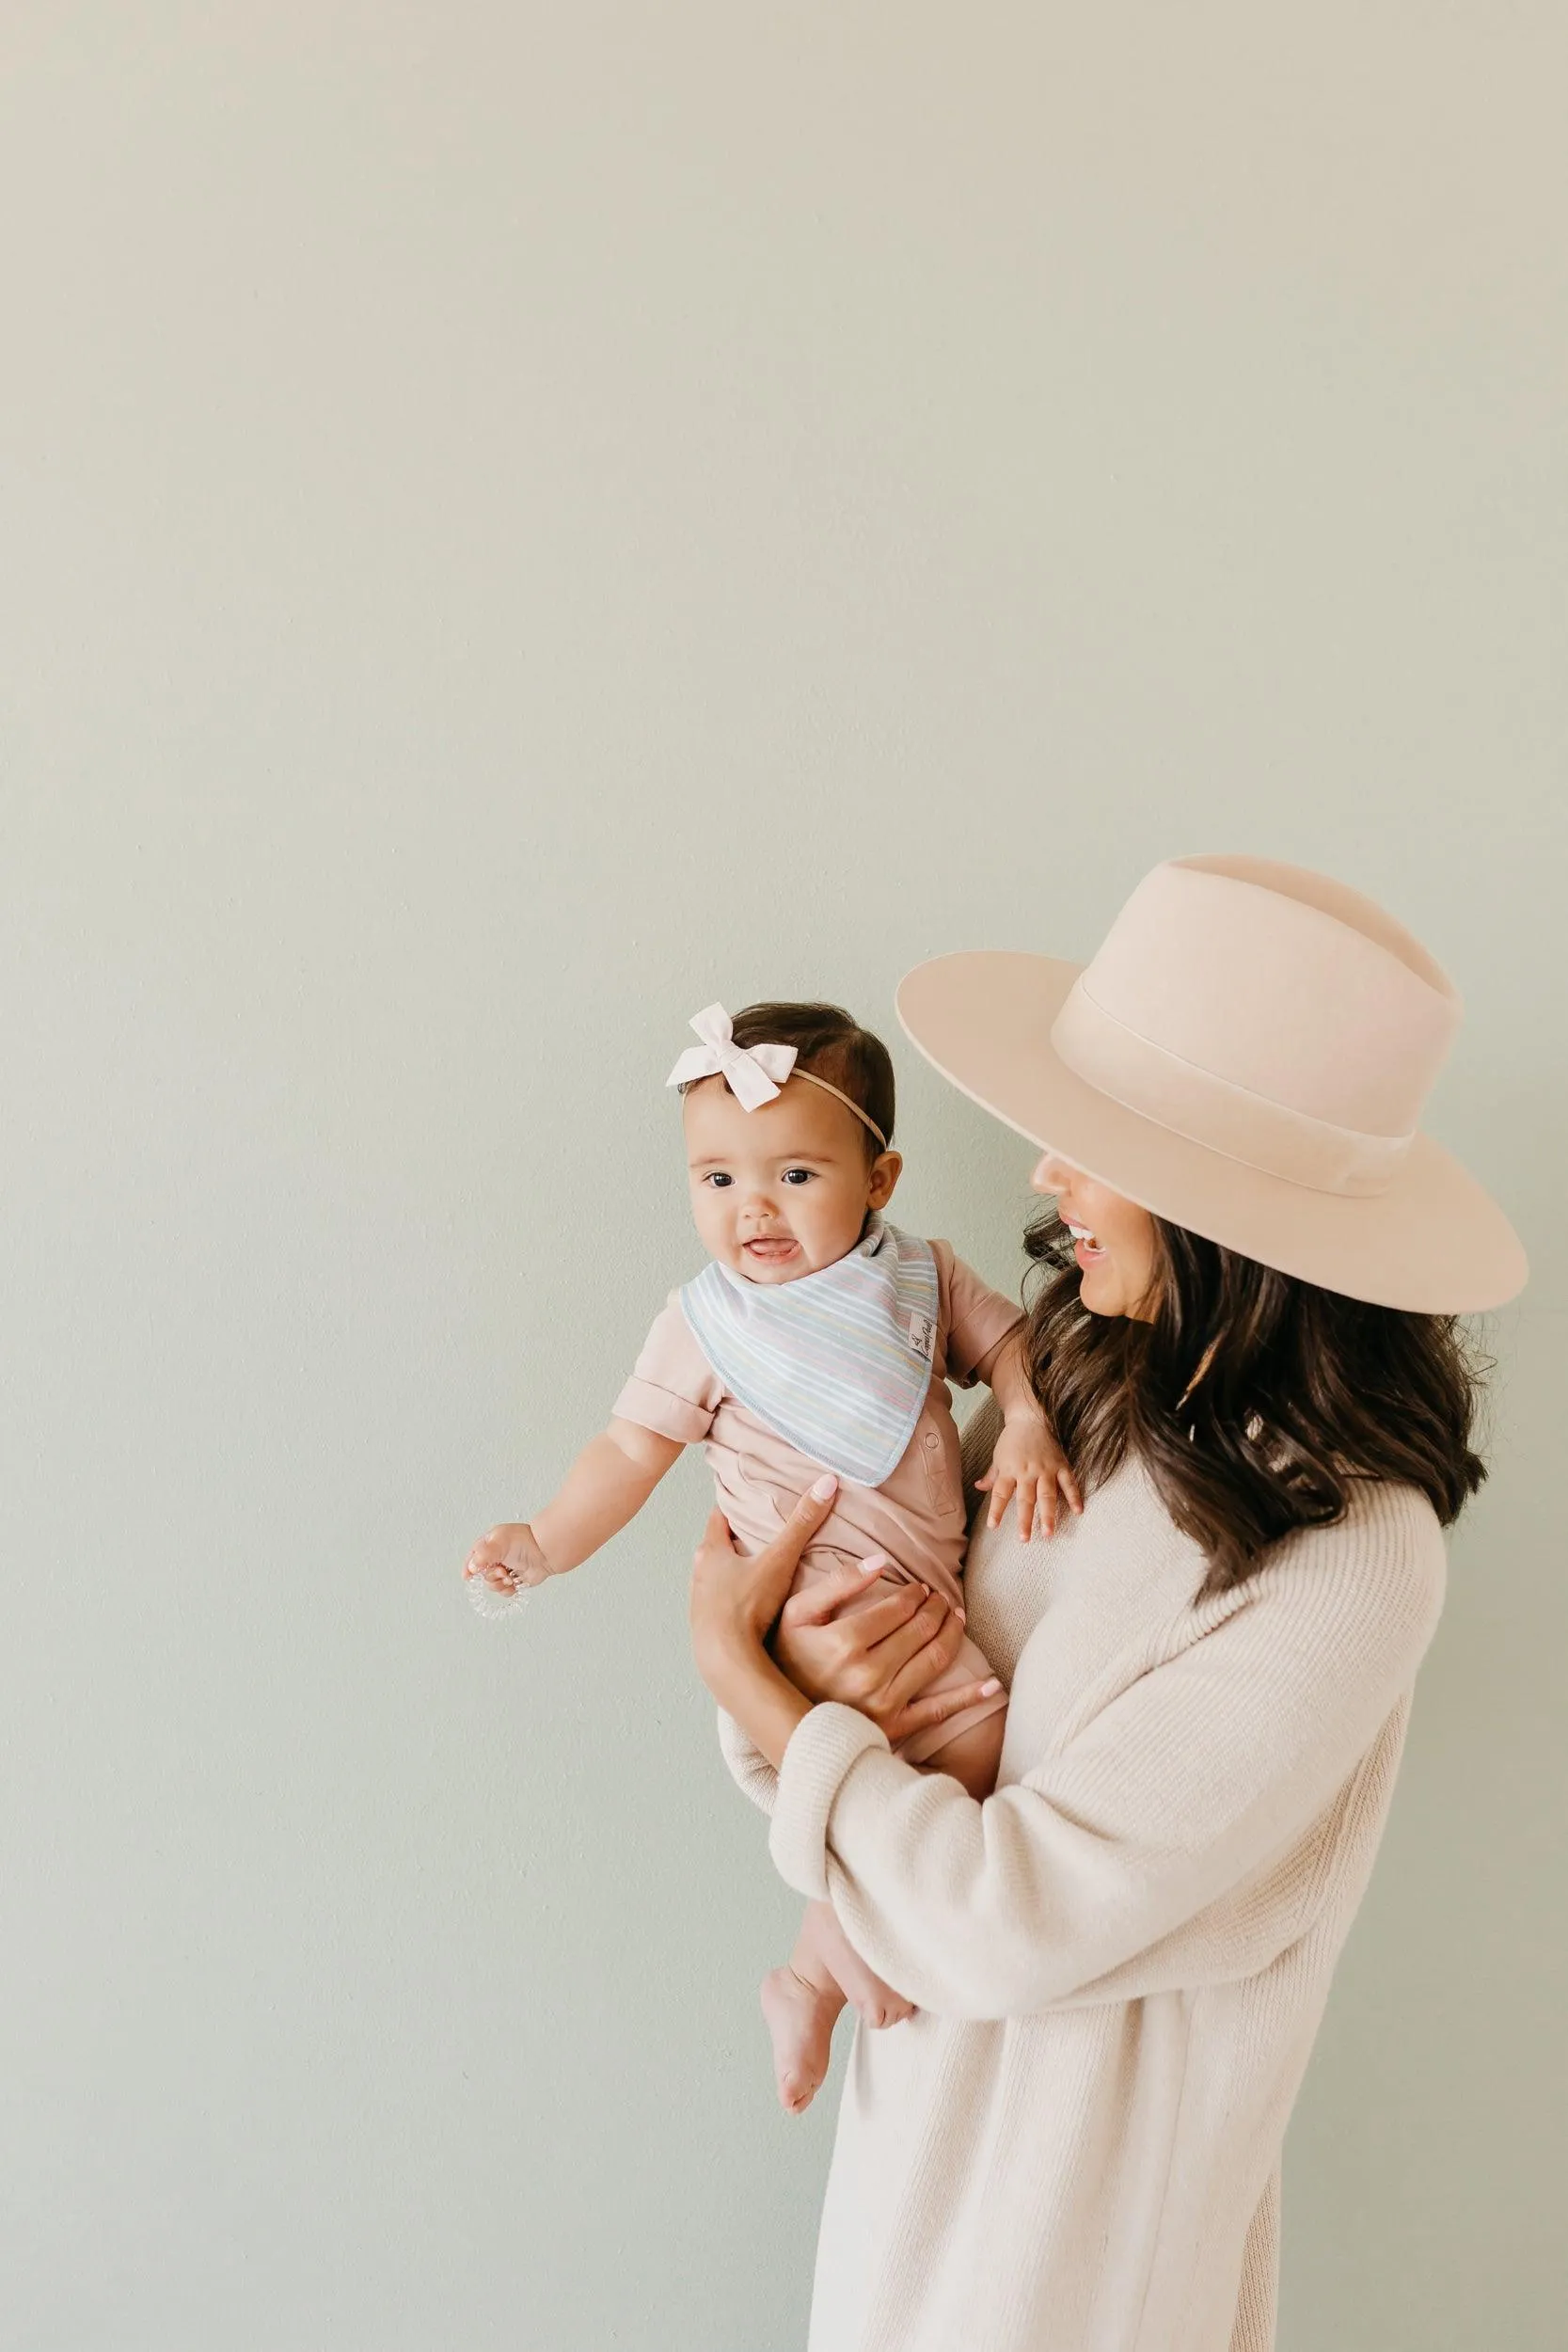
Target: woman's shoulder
{"x": 1364, "y": 1590}
{"x": 1383, "y": 1518}
{"x": 1380, "y": 1566}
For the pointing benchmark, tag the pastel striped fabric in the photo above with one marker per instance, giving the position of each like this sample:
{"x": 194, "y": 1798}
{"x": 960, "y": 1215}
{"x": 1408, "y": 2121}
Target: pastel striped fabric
{"x": 837, "y": 1363}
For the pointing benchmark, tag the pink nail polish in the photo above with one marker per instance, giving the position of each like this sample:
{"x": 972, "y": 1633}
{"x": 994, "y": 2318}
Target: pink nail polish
{"x": 988, "y": 1687}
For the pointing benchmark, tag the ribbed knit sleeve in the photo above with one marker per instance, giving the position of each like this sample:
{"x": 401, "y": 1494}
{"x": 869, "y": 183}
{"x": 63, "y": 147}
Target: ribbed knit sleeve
{"x": 1246, "y": 1723}
{"x": 749, "y": 1768}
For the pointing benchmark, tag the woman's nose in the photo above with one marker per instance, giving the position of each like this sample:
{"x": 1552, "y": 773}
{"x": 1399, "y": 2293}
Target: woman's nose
{"x": 1050, "y": 1174}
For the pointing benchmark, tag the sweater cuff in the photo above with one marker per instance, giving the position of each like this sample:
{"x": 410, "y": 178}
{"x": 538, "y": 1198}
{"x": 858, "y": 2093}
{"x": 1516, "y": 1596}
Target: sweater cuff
{"x": 821, "y": 1749}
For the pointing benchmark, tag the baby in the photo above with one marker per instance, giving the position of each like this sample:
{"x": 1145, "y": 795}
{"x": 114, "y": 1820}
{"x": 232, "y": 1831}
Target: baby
{"x": 818, "y": 1336}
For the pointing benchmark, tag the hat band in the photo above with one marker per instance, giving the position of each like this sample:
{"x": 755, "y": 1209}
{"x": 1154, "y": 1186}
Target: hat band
{"x": 1215, "y": 1112}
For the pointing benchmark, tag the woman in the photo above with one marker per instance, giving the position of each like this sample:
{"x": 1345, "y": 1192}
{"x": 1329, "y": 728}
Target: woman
{"x": 1119, "y": 1960}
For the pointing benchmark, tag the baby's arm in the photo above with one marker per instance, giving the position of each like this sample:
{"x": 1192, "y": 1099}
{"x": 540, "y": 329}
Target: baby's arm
{"x": 1027, "y": 1458}
{"x": 1005, "y": 1373}
{"x": 604, "y": 1490}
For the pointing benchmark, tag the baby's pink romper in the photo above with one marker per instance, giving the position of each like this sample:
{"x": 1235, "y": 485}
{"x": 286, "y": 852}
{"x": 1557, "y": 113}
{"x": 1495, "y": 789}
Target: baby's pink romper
{"x": 916, "y": 1516}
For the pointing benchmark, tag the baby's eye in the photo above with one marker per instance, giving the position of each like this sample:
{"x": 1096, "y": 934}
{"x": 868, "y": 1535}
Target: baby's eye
{"x": 805, "y": 1175}
{"x": 718, "y": 1179}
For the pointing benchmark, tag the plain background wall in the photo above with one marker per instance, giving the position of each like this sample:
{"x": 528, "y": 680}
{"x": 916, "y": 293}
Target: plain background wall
{"x": 514, "y": 523}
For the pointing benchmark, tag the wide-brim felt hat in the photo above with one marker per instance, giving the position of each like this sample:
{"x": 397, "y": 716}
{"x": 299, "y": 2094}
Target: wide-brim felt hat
{"x": 1247, "y": 1056}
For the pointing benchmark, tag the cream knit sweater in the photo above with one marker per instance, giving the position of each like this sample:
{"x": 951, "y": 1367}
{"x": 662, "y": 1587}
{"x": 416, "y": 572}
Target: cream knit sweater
{"x": 1120, "y": 1958}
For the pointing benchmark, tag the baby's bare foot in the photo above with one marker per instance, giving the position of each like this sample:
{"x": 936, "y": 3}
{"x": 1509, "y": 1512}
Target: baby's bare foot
{"x": 800, "y": 2021}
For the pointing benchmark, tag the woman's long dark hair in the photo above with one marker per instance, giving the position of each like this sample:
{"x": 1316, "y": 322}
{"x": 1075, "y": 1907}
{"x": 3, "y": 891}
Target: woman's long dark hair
{"x": 1253, "y": 1400}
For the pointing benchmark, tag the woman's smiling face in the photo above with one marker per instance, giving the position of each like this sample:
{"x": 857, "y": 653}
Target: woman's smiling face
{"x": 783, "y": 1190}
{"x": 1113, "y": 1240}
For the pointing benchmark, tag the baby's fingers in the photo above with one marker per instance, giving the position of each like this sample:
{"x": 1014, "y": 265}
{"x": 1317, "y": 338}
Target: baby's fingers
{"x": 1001, "y": 1495}
{"x": 494, "y": 1572}
{"x": 1069, "y": 1486}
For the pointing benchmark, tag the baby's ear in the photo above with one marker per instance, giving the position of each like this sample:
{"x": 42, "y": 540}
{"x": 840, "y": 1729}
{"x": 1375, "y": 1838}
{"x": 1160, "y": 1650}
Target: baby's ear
{"x": 886, "y": 1168}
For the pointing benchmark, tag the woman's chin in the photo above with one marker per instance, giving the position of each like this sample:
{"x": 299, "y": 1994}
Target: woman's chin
{"x": 1099, "y": 1292}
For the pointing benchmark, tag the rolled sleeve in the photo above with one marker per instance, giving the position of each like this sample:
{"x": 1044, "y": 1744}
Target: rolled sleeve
{"x": 822, "y": 1748}
{"x": 978, "y": 1317}
{"x": 653, "y": 1407}
{"x": 673, "y": 1390}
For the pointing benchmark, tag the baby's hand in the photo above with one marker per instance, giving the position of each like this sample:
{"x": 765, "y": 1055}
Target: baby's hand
{"x": 1028, "y": 1460}
{"x": 508, "y": 1560}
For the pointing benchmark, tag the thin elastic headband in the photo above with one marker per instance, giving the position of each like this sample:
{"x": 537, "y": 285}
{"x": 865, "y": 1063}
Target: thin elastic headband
{"x": 753, "y": 1073}
{"x": 827, "y": 1088}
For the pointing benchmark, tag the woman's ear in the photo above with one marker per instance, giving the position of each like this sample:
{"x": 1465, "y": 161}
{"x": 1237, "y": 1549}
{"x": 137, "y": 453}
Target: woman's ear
{"x": 886, "y": 1168}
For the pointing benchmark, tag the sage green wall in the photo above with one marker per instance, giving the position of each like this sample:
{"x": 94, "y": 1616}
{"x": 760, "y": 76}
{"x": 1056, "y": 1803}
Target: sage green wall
{"x": 514, "y": 523}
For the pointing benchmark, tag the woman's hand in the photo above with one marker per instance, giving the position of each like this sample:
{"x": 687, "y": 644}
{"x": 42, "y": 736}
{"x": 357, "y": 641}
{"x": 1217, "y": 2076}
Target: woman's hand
{"x": 879, "y": 1658}
{"x": 883, "y": 1656}
{"x": 733, "y": 1600}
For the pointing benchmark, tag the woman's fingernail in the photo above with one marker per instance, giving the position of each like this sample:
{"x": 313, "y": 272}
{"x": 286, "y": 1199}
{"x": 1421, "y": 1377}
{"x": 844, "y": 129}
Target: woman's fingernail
{"x": 874, "y": 1563}
{"x": 988, "y": 1687}
{"x": 825, "y": 1485}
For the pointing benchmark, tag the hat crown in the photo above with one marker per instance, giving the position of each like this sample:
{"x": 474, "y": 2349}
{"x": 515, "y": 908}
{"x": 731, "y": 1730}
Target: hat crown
{"x": 1267, "y": 1011}
{"x": 1263, "y": 974}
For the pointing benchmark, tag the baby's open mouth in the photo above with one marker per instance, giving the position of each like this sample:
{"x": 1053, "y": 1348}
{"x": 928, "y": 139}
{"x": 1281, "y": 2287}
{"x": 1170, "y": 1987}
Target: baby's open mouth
{"x": 770, "y": 1245}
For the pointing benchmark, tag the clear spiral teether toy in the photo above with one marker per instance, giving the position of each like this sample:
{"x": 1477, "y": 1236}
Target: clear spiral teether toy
{"x": 489, "y": 1603}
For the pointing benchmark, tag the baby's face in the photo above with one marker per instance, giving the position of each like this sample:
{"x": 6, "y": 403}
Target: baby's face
{"x": 780, "y": 1191}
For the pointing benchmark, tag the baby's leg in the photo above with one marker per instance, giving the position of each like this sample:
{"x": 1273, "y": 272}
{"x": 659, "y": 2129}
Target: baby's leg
{"x": 801, "y": 2003}
{"x": 971, "y": 1756}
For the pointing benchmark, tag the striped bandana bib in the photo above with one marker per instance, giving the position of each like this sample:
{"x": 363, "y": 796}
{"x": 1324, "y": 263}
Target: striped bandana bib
{"x": 838, "y": 1363}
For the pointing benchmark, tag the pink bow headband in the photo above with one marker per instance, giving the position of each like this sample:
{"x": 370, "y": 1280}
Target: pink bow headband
{"x": 753, "y": 1073}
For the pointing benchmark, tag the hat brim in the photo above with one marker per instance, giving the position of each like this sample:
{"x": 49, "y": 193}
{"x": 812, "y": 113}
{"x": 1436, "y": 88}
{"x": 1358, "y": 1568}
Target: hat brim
{"x": 1433, "y": 1243}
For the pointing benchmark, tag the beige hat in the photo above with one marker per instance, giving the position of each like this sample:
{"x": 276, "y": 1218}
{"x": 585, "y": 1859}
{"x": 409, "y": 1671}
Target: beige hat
{"x": 1246, "y": 1055}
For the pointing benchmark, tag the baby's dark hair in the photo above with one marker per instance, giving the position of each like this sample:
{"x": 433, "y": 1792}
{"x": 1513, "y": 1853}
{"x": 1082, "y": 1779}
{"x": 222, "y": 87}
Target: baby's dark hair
{"x": 831, "y": 1043}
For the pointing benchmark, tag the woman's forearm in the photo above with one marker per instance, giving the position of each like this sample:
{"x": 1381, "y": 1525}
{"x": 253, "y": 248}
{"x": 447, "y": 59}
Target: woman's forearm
{"x": 760, "y": 1699}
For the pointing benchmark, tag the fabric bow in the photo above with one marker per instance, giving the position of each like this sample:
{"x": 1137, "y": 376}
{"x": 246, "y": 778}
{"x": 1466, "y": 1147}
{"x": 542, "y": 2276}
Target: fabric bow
{"x": 753, "y": 1073}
